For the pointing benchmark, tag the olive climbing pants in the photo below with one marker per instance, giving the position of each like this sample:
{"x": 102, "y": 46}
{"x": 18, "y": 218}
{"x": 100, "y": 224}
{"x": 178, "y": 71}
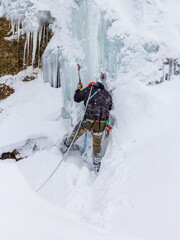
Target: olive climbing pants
{"x": 96, "y": 128}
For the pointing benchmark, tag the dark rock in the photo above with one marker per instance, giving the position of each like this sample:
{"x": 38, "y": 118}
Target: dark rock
{"x": 5, "y": 91}
{"x": 11, "y": 155}
{"x": 12, "y": 51}
{"x": 29, "y": 78}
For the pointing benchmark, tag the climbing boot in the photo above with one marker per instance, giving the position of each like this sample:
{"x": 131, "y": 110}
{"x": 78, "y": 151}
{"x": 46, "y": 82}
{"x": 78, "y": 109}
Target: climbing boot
{"x": 96, "y": 162}
{"x": 66, "y": 144}
{"x": 97, "y": 167}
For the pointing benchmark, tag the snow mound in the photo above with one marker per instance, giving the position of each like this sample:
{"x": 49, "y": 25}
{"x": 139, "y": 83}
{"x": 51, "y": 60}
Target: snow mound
{"x": 25, "y": 216}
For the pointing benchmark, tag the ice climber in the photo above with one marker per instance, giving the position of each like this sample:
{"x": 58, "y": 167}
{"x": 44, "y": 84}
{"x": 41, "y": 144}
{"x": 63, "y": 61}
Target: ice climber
{"x": 96, "y": 115}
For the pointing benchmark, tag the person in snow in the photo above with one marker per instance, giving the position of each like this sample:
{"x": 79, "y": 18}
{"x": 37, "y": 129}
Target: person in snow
{"x": 96, "y": 115}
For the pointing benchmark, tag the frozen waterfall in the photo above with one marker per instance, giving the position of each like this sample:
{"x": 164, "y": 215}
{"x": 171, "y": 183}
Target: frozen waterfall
{"x": 88, "y": 45}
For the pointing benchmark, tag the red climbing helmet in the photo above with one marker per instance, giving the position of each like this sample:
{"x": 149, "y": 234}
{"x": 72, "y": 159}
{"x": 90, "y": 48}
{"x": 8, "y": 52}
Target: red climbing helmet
{"x": 91, "y": 83}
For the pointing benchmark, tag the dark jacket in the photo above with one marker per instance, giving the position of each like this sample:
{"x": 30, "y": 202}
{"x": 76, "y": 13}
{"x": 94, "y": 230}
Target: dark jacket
{"x": 99, "y": 105}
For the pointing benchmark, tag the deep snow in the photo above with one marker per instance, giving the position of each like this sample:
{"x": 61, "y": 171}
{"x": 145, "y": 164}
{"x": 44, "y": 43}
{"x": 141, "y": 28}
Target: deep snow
{"x": 25, "y": 216}
{"x": 136, "y": 193}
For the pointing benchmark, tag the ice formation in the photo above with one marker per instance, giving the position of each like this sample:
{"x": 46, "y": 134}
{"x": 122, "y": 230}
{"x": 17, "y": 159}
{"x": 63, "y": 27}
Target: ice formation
{"x": 94, "y": 35}
{"x": 89, "y": 33}
{"x": 95, "y": 51}
{"x": 29, "y": 21}
{"x": 85, "y": 32}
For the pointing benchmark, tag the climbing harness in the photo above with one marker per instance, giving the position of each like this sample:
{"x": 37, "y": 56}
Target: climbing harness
{"x": 85, "y": 121}
{"x": 69, "y": 146}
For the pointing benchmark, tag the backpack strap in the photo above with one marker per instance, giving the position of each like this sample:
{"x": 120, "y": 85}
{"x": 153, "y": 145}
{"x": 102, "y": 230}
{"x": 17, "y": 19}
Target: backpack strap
{"x": 95, "y": 93}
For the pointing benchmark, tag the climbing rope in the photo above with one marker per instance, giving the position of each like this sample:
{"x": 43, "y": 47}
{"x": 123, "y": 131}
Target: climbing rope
{"x": 69, "y": 146}
{"x": 85, "y": 144}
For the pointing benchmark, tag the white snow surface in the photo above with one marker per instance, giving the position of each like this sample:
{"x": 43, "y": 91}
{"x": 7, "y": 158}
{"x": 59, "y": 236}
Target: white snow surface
{"x": 25, "y": 216}
{"x": 135, "y": 196}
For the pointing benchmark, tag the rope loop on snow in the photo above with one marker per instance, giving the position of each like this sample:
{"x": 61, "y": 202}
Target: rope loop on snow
{"x": 89, "y": 97}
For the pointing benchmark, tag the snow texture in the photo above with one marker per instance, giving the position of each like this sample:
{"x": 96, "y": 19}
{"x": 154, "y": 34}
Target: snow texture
{"x": 136, "y": 195}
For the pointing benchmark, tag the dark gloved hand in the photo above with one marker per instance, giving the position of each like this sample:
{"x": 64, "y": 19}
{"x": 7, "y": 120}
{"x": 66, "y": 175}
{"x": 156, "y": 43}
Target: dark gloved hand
{"x": 79, "y": 86}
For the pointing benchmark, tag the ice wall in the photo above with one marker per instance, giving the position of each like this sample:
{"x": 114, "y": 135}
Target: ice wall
{"x": 86, "y": 38}
{"x": 124, "y": 39}
{"x": 90, "y": 33}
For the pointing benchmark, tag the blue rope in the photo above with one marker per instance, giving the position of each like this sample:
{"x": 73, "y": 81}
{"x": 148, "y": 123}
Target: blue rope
{"x": 95, "y": 93}
{"x": 85, "y": 144}
{"x": 42, "y": 185}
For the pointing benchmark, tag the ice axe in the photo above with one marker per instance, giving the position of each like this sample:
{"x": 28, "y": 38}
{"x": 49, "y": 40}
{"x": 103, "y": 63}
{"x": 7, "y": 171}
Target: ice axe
{"x": 103, "y": 76}
{"x": 79, "y": 68}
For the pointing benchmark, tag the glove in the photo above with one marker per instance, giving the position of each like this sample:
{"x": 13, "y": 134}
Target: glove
{"x": 79, "y": 86}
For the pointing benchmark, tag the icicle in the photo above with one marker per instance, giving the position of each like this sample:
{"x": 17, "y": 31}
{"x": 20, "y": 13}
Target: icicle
{"x": 40, "y": 36}
{"x": 49, "y": 70}
{"x": 54, "y": 62}
{"x": 58, "y": 70}
{"x": 12, "y": 27}
{"x": 39, "y": 45}
{"x": 28, "y": 39}
{"x": 24, "y": 58}
{"x": 44, "y": 62}
{"x": 44, "y": 34}
{"x": 18, "y": 30}
{"x": 34, "y": 36}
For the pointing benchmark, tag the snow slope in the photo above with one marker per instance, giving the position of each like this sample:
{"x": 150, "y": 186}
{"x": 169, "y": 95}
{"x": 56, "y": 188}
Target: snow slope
{"x": 22, "y": 109}
{"x": 136, "y": 194}
{"x": 153, "y": 155}
{"x": 25, "y": 216}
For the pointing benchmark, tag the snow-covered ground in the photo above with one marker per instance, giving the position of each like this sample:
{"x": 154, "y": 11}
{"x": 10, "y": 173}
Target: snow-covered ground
{"x": 25, "y": 216}
{"x": 135, "y": 196}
